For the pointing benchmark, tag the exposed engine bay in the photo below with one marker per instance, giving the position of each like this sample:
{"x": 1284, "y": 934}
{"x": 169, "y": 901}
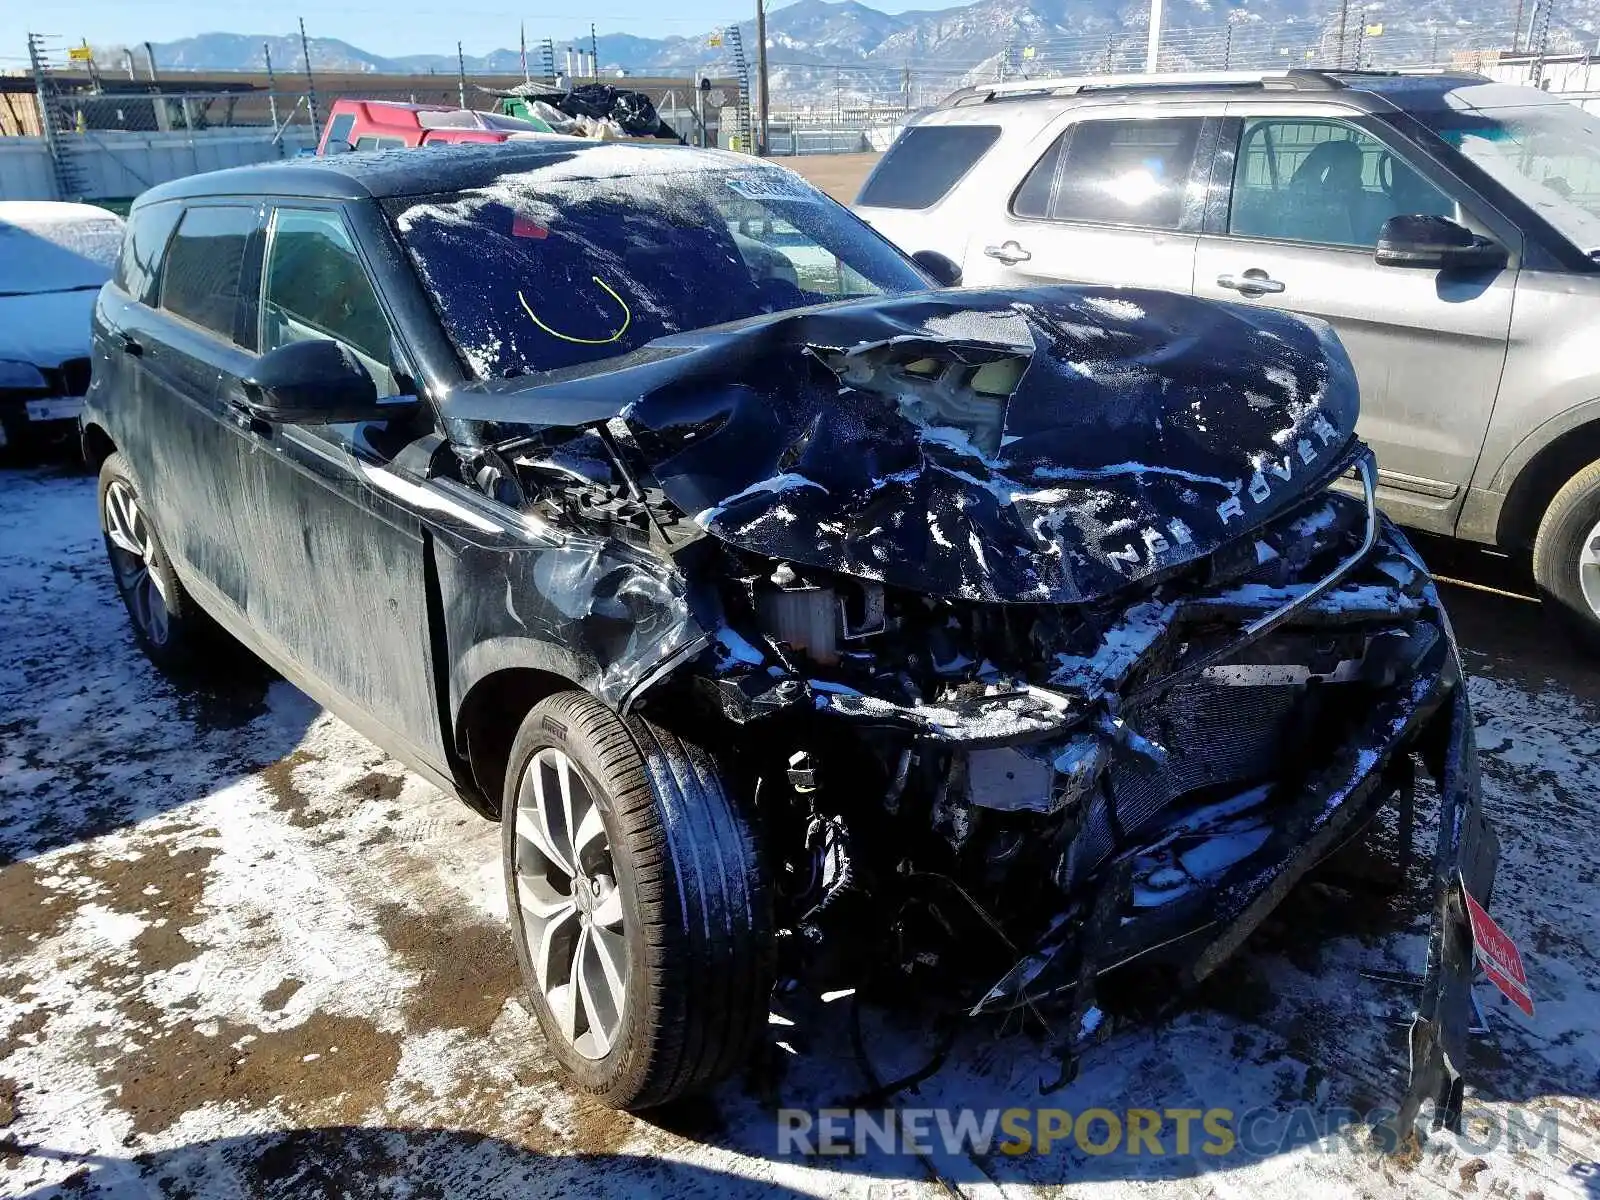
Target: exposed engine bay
{"x": 1017, "y": 697}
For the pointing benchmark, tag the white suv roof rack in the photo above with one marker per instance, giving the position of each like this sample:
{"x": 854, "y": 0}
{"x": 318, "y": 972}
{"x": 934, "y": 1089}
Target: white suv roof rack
{"x": 1297, "y": 79}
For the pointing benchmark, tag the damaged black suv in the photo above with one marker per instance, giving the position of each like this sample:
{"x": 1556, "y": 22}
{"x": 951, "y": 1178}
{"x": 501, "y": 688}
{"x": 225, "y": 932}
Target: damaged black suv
{"x": 795, "y": 620}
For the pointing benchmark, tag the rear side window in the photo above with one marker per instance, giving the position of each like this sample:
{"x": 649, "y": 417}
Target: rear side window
{"x": 200, "y": 279}
{"x": 1114, "y": 173}
{"x": 139, "y": 264}
{"x": 925, "y": 164}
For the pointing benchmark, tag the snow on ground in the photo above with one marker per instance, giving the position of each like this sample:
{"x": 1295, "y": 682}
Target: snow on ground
{"x": 243, "y": 953}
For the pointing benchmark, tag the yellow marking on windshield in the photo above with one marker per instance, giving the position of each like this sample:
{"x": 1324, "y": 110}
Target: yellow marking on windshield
{"x": 627, "y": 319}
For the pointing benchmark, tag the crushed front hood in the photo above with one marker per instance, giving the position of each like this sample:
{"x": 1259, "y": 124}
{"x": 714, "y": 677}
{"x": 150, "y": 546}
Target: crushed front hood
{"x": 878, "y": 438}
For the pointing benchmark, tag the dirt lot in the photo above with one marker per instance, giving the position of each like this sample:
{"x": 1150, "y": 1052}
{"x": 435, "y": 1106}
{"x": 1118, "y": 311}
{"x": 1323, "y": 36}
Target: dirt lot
{"x": 840, "y": 175}
{"x": 245, "y": 954}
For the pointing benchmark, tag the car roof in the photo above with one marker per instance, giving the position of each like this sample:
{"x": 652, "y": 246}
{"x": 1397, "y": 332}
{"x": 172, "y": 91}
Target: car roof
{"x": 446, "y": 168}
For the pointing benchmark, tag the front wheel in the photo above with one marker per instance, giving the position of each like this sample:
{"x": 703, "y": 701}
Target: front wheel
{"x": 638, "y": 905}
{"x": 1566, "y": 556}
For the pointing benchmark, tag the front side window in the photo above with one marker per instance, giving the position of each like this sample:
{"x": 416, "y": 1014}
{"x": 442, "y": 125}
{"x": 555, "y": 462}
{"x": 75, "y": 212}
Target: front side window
{"x": 926, "y": 162}
{"x": 1114, "y": 173}
{"x": 315, "y": 286}
{"x": 1323, "y": 181}
{"x": 1548, "y": 155}
{"x": 200, "y": 279}
{"x": 568, "y": 264}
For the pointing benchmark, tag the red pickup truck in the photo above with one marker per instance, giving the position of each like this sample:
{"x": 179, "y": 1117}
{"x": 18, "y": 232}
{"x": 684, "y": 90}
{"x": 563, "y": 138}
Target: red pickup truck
{"x": 392, "y": 125}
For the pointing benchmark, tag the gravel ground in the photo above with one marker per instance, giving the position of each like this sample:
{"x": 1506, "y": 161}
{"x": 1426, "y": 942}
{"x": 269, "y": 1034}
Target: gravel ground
{"x": 245, "y": 953}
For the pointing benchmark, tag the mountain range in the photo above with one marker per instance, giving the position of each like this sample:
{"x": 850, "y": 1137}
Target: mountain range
{"x": 842, "y": 50}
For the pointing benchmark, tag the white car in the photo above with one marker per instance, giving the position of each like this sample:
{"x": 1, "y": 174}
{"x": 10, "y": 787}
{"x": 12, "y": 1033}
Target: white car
{"x": 53, "y": 259}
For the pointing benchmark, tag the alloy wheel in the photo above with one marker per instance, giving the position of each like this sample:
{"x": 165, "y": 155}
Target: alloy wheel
{"x": 572, "y": 909}
{"x": 1589, "y": 569}
{"x": 133, "y": 561}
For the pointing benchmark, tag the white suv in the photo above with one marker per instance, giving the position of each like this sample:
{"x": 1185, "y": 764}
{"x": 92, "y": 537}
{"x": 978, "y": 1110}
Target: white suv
{"x": 1447, "y": 226}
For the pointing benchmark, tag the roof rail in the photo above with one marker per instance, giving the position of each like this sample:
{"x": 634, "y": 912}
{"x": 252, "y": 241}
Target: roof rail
{"x": 1294, "y": 79}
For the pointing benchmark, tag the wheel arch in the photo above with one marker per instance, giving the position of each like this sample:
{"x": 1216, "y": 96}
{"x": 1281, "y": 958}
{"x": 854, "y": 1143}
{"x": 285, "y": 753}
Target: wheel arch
{"x": 97, "y": 446}
{"x": 488, "y": 717}
{"x": 1543, "y": 475}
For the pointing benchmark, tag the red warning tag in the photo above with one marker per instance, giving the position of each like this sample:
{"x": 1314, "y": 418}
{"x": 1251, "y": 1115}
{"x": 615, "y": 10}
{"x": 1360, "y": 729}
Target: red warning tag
{"x": 522, "y": 226}
{"x": 1498, "y": 954}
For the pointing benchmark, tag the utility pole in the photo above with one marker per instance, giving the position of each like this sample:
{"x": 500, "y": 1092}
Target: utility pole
{"x": 1344, "y": 16}
{"x": 594, "y": 52}
{"x": 272, "y": 85}
{"x": 461, "y": 75}
{"x": 311, "y": 83}
{"x": 1516, "y": 28}
{"x": 1152, "y": 50}
{"x": 761, "y": 76}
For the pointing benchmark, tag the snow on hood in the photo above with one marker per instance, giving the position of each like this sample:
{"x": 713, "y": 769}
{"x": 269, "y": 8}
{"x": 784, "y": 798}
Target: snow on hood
{"x": 1044, "y": 445}
{"x": 46, "y": 328}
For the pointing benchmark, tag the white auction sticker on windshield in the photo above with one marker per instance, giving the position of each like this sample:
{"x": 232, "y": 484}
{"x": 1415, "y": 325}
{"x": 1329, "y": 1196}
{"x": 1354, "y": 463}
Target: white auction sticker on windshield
{"x": 772, "y": 185}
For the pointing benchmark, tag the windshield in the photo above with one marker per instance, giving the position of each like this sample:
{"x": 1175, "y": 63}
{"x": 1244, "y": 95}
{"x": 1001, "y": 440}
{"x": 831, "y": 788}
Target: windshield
{"x": 1547, "y": 154}
{"x": 550, "y": 268}
{"x": 56, "y": 247}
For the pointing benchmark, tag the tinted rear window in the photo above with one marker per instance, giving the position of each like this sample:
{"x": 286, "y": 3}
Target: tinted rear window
{"x": 200, "y": 280}
{"x": 139, "y": 265}
{"x": 924, "y": 164}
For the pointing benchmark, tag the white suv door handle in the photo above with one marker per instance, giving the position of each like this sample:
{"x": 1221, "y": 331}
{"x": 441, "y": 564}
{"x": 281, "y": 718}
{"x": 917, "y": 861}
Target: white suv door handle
{"x": 1010, "y": 253}
{"x": 1254, "y": 282}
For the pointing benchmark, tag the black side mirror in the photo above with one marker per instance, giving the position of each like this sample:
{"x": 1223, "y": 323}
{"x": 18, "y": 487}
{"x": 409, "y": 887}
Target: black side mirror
{"x": 943, "y": 272}
{"x": 312, "y": 383}
{"x": 1435, "y": 244}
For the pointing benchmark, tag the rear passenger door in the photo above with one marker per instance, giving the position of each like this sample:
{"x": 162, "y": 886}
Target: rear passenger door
{"x": 1109, "y": 198}
{"x": 185, "y": 451}
{"x": 1309, "y": 192}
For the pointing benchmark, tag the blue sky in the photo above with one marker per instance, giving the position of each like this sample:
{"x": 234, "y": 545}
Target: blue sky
{"x": 396, "y": 27}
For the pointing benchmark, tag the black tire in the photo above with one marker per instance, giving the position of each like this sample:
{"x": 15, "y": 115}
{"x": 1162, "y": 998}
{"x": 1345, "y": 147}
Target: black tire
{"x": 695, "y": 905}
{"x": 1563, "y": 535}
{"x": 178, "y": 644}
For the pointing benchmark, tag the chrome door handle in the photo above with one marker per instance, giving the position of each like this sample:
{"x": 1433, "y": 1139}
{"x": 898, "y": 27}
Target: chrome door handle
{"x": 1009, "y": 253}
{"x": 1254, "y": 282}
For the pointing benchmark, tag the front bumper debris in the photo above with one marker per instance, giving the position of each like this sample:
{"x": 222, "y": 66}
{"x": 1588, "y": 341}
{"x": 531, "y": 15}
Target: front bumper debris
{"x": 1197, "y": 928}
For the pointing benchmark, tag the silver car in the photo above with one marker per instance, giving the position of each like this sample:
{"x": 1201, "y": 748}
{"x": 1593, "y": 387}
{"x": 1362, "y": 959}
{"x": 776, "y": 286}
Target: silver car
{"x": 1447, "y": 226}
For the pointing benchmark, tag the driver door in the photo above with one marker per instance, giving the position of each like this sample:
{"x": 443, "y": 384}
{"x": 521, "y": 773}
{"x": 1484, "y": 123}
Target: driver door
{"x": 1309, "y": 192}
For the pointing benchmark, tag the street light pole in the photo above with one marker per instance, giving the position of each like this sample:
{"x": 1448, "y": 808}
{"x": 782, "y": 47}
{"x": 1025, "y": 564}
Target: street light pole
{"x": 1152, "y": 50}
{"x": 761, "y": 75}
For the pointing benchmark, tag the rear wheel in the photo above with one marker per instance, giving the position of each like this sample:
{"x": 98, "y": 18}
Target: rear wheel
{"x": 167, "y": 624}
{"x": 1566, "y": 556}
{"x": 638, "y": 905}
